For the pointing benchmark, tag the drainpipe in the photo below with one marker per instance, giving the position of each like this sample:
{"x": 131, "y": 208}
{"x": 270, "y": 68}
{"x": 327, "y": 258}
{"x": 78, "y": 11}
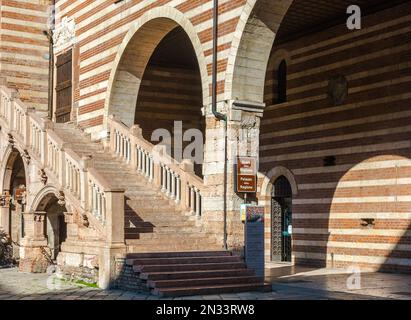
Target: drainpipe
{"x": 217, "y": 114}
{"x": 49, "y": 34}
{"x": 51, "y": 78}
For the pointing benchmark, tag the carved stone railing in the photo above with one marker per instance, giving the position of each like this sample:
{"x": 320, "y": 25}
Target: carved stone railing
{"x": 177, "y": 181}
{"x": 83, "y": 187}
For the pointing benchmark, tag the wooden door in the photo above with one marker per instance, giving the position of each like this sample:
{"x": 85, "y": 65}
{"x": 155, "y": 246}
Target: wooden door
{"x": 64, "y": 87}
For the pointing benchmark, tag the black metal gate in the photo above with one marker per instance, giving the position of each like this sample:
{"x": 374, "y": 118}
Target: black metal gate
{"x": 281, "y": 220}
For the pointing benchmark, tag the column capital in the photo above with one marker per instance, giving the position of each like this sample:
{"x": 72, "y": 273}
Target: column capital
{"x": 37, "y": 216}
{"x": 34, "y": 225}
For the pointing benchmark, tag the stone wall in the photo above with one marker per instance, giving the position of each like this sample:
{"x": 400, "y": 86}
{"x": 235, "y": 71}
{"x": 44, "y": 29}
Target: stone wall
{"x": 127, "y": 279}
{"x": 24, "y": 49}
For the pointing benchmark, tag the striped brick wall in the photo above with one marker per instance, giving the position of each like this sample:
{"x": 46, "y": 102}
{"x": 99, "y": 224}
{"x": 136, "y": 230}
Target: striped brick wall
{"x": 101, "y": 26}
{"x": 23, "y": 47}
{"x": 168, "y": 95}
{"x": 369, "y": 135}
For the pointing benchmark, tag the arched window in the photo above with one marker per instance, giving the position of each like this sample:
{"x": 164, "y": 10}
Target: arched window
{"x": 282, "y": 188}
{"x": 282, "y": 82}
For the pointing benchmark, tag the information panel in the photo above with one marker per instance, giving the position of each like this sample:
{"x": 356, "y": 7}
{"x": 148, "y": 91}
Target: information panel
{"x": 254, "y": 239}
{"x": 246, "y": 175}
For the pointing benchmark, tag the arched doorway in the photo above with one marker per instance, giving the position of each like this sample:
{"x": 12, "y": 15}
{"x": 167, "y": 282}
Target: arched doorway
{"x": 55, "y": 227}
{"x": 13, "y": 199}
{"x": 170, "y": 95}
{"x": 281, "y": 220}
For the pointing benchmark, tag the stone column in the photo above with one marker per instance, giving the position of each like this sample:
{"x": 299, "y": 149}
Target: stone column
{"x": 243, "y": 129}
{"x": 114, "y": 247}
{"x": 34, "y": 244}
{"x": 5, "y": 212}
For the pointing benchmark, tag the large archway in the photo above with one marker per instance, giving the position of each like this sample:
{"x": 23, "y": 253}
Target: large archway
{"x": 159, "y": 82}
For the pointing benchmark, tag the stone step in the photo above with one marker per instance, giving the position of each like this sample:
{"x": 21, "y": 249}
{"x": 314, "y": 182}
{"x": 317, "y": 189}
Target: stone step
{"x": 150, "y": 205}
{"x": 167, "y": 230}
{"x": 178, "y": 254}
{"x": 196, "y": 274}
{"x": 189, "y": 267}
{"x": 183, "y": 260}
{"x": 209, "y": 282}
{"x": 163, "y": 210}
{"x": 133, "y": 199}
{"x": 133, "y": 245}
{"x": 206, "y": 290}
{"x": 172, "y": 236}
{"x": 157, "y": 220}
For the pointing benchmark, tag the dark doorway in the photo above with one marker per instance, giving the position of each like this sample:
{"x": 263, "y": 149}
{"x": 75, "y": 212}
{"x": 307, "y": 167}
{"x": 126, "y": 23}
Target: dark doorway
{"x": 64, "y": 87}
{"x": 282, "y": 82}
{"x": 281, "y": 221}
{"x": 171, "y": 92}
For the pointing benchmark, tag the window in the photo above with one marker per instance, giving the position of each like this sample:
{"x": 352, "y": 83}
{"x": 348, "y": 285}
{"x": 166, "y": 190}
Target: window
{"x": 282, "y": 82}
{"x": 64, "y": 87}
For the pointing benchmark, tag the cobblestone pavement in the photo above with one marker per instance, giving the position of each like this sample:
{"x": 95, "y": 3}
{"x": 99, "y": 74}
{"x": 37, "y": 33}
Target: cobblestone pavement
{"x": 23, "y": 286}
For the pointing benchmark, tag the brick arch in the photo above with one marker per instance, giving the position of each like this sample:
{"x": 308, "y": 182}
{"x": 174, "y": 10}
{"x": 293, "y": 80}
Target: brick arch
{"x": 43, "y": 197}
{"x": 273, "y": 175}
{"x": 134, "y": 54}
{"x": 10, "y": 155}
{"x": 250, "y": 52}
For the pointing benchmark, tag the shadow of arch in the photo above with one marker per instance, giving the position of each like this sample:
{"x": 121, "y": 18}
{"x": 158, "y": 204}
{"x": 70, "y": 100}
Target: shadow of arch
{"x": 369, "y": 215}
{"x": 134, "y": 54}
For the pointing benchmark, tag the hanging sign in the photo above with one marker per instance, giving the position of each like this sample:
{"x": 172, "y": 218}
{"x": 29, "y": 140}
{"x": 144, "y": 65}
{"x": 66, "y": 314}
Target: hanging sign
{"x": 246, "y": 175}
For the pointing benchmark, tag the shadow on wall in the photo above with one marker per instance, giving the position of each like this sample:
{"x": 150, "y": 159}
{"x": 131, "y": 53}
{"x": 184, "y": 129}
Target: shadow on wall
{"x": 366, "y": 214}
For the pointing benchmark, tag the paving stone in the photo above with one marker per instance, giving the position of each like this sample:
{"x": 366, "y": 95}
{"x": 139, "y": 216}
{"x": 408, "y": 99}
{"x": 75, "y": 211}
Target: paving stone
{"x": 24, "y": 286}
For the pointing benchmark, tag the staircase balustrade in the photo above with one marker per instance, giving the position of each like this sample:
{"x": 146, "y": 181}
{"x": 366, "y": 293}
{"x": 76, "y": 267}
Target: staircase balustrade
{"x": 176, "y": 180}
{"x": 81, "y": 184}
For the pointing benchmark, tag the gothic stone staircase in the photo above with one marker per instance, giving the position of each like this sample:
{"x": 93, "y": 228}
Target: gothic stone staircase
{"x": 170, "y": 253}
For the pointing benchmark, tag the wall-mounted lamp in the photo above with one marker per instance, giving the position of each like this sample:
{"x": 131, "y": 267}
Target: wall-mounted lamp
{"x": 367, "y": 222}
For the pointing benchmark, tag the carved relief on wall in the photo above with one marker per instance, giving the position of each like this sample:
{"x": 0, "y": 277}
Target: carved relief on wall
{"x": 64, "y": 34}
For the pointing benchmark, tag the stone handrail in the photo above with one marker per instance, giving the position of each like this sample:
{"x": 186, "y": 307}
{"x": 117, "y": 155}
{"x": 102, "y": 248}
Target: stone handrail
{"x": 85, "y": 189}
{"x": 176, "y": 180}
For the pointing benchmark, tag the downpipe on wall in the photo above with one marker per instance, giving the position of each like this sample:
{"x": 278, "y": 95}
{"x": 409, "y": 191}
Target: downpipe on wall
{"x": 49, "y": 34}
{"x": 219, "y": 115}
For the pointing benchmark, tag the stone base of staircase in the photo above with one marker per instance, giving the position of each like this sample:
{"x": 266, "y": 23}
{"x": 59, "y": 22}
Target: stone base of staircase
{"x": 172, "y": 274}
